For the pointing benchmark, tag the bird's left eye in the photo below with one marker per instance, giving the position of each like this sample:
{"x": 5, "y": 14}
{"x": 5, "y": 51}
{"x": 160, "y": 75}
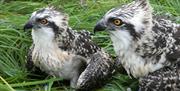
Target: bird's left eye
{"x": 117, "y": 22}
{"x": 44, "y": 21}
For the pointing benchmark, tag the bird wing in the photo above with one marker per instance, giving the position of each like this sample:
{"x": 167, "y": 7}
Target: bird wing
{"x": 175, "y": 55}
{"x": 85, "y": 34}
{"x": 97, "y": 72}
{"x": 84, "y": 46}
{"x": 164, "y": 79}
{"x": 168, "y": 38}
{"x": 99, "y": 66}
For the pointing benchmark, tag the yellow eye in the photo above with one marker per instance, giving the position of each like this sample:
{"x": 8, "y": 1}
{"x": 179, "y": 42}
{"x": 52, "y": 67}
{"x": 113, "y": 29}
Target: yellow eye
{"x": 44, "y": 21}
{"x": 117, "y": 22}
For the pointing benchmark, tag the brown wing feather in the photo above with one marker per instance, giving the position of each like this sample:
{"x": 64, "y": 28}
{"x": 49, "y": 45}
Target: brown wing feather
{"x": 165, "y": 79}
{"x": 97, "y": 72}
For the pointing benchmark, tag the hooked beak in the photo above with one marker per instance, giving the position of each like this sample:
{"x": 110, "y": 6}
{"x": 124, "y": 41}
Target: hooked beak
{"x": 28, "y": 25}
{"x": 100, "y": 26}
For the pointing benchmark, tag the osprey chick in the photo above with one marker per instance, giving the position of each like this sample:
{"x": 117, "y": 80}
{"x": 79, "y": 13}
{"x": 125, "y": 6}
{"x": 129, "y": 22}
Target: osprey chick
{"x": 62, "y": 52}
{"x": 142, "y": 43}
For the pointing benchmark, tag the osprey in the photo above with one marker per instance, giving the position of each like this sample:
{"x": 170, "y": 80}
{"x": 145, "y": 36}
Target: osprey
{"x": 61, "y": 51}
{"x": 143, "y": 43}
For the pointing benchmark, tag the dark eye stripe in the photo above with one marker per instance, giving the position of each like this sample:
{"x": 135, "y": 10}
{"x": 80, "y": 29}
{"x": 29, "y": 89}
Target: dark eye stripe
{"x": 132, "y": 31}
{"x": 55, "y": 28}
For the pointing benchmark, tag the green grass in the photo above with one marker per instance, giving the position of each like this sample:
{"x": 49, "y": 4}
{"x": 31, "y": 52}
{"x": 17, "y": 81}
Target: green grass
{"x": 14, "y": 42}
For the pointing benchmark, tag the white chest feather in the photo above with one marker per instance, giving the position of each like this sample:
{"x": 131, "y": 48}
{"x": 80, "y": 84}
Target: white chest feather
{"x": 52, "y": 59}
{"x": 131, "y": 61}
{"x": 121, "y": 41}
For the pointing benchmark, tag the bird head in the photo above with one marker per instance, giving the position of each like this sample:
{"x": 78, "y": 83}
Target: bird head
{"x": 46, "y": 23}
{"x": 130, "y": 20}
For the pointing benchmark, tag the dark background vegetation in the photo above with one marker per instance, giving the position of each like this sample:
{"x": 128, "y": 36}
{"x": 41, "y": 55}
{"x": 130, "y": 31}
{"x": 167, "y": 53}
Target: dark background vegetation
{"x": 14, "y": 42}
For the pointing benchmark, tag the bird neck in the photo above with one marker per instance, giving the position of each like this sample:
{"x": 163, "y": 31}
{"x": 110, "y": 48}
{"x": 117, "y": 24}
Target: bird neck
{"x": 42, "y": 41}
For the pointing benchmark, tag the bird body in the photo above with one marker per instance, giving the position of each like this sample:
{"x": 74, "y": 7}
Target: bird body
{"x": 148, "y": 53}
{"x": 63, "y": 52}
{"x": 144, "y": 44}
{"x": 141, "y": 43}
{"x": 55, "y": 61}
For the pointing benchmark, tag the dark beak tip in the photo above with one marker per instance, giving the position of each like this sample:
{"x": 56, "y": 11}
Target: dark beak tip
{"x": 28, "y": 26}
{"x": 95, "y": 29}
{"x": 99, "y": 27}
